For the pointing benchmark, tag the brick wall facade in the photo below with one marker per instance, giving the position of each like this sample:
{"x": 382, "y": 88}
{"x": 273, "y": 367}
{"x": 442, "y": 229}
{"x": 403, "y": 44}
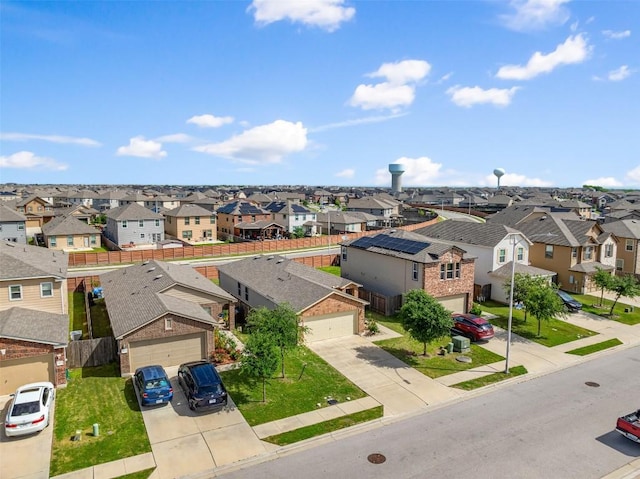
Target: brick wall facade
{"x": 155, "y": 330}
{"x": 16, "y": 349}
{"x": 439, "y": 288}
{"x": 335, "y": 304}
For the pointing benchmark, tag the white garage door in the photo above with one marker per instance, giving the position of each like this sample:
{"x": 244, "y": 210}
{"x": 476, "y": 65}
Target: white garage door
{"x": 330, "y": 326}
{"x": 171, "y": 351}
{"x": 16, "y": 372}
{"x": 455, "y": 304}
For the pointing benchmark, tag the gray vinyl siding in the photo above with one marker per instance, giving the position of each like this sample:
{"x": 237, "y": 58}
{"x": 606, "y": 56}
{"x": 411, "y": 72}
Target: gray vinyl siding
{"x": 132, "y": 233}
{"x": 10, "y": 231}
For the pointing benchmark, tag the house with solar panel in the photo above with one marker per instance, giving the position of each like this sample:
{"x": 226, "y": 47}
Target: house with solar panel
{"x": 244, "y": 220}
{"x": 391, "y": 263}
{"x": 293, "y": 215}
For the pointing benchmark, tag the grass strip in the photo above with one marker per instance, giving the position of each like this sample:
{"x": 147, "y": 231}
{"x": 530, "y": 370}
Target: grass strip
{"x": 324, "y": 427}
{"x": 144, "y": 474}
{"x": 490, "y": 379}
{"x": 593, "y": 348}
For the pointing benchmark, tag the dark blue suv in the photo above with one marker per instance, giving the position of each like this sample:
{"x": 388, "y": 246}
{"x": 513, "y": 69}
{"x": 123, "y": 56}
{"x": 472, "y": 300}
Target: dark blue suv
{"x": 202, "y": 385}
{"x": 153, "y": 385}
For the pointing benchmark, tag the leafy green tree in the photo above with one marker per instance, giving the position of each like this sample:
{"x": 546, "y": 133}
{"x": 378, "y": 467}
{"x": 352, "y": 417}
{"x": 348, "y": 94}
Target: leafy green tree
{"x": 260, "y": 358}
{"x": 298, "y": 232}
{"x": 604, "y": 281}
{"x": 521, "y": 285}
{"x": 424, "y": 318}
{"x": 542, "y": 301}
{"x": 627, "y": 286}
{"x": 281, "y": 324}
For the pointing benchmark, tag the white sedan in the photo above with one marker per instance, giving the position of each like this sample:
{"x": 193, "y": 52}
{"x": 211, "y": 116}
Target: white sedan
{"x": 30, "y": 409}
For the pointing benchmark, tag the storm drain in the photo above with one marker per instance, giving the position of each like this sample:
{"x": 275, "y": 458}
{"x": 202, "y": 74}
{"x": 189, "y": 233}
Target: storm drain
{"x": 592, "y": 384}
{"x": 376, "y": 458}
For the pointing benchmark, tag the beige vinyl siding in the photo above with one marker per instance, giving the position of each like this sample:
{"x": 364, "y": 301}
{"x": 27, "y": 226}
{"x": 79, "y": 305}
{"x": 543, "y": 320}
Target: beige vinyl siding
{"x": 31, "y": 298}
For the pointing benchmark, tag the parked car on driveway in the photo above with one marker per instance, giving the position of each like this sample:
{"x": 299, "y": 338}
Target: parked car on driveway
{"x": 202, "y": 385}
{"x": 570, "y": 303}
{"x": 472, "y": 326}
{"x": 153, "y": 385}
{"x": 30, "y": 409}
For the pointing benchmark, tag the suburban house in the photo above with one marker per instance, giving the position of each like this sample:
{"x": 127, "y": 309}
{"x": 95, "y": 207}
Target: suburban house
{"x": 628, "y": 251}
{"x": 336, "y": 222}
{"x": 37, "y": 211}
{"x": 245, "y": 220}
{"x": 134, "y": 225}
{"x": 394, "y": 262}
{"x": 68, "y": 233}
{"x": 34, "y": 319}
{"x": 494, "y": 246}
{"x": 159, "y": 203}
{"x": 292, "y": 215}
{"x": 191, "y": 223}
{"x": 12, "y": 225}
{"x": 326, "y": 304}
{"x": 108, "y": 200}
{"x": 86, "y": 214}
{"x": 386, "y": 210}
{"x": 163, "y": 313}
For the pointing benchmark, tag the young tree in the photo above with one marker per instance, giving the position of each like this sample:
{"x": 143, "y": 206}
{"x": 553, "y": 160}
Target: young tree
{"x": 542, "y": 301}
{"x": 603, "y": 280}
{"x": 424, "y": 318}
{"x": 281, "y": 324}
{"x": 626, "y": 285}
{"x": 260, "y": 358}
{"x": 521, "y": 285}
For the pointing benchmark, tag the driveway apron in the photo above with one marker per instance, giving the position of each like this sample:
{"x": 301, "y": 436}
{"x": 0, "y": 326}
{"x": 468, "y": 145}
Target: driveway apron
{"x": 397, "y": 386}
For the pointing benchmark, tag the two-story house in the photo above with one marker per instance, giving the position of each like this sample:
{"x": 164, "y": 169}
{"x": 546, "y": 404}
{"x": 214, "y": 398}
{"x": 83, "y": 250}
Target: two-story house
{"x": 394, "y": 262}
{"x": 108, "y": 200}
{"x": 292, "y": 215}
{"x": 628, "y": 251}
{"x": 387, "y": 210}
{"x": 12, "y": 225}
{"x": 37, "y": 211}
{"x": 34, "y": 319}
{"x": 243, "y": 219}
{"x": 68, "y": 233}
{"x": 191, "y": 224}
{"x": 134, "y": 225}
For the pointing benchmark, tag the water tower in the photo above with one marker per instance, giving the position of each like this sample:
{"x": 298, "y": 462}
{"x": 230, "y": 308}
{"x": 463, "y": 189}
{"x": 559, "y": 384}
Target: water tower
{"x": 396, "y": 170}
{"x": 499, "y": 172}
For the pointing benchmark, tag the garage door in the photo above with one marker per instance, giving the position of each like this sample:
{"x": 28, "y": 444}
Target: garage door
{"x": 167, "y": 351}
{"x": 455, "y": 304}
{"x": 16, "y": 372}
{"x": 330, "y": 326}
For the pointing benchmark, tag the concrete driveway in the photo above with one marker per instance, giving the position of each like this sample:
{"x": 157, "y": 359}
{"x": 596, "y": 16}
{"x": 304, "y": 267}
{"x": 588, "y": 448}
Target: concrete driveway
{"x": 185, "y": 442}
{"x": 397, "y": 386}
{"x": 25, "y": 457}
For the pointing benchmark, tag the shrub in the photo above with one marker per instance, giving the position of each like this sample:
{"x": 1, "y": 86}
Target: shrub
{"x": 476, "y": 309}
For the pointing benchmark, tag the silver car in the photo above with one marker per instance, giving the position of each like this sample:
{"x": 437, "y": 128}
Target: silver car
{"x": 30, "y": 409}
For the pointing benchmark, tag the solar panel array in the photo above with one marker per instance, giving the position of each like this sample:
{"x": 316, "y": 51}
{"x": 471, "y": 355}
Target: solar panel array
{"x": 389, "y": 242}
{"x": 244, "y": 208}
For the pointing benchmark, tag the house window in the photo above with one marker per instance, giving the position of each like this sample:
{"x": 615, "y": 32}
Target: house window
{"x": 574, "y": 252}
{"x": 20, "y": 226}
{"x": 69, "y": 240}
{"x": 450, "y": 271}
{"x": 141, "y": 223}
{"x": 141, "y": 235}
{"x": 253, "y": 218}
{"x": 619, "y": 264}
{"x": 93, "y": 239}
{"x": 52, "y": 242}
{"x": 187, "y": 221}
{"x": 187, "y": 234}
{"x": 608, "y": 251}
{"x": 571, "y": 279}
{"x": 46, "y": 290}
{"x": 344, "y": 253}
{"x": 157, "y": 222}
{"x": 239, "y": 289}
{"x": 168, "y": 324}
{"x": 297, "y": 218}
{"x": 628, "y": 246}
{"x": 15, "y": 292}
{"x": 502, "y": 255}
{"x": 212, "y": 220}
{"x": 588, "y": 252}
{"x": 548, "y": 251}
{"x": 197, "y": 219}
{"x": 414, "y": 273}
{"x": 124, "y": 223}
{"x": 246, "y": 293}
{"x": 520, "y": 254}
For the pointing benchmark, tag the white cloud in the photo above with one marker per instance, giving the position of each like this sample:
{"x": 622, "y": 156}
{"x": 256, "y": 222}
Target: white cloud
{"x": 262, "y": 144}
{"x": 616, "y": 35}
{"x": 346, "y": 173}
{"x": 50, "y": 138}
{"x": 27, "y": 159}
{"x": 210, "y": 121}
{"x": 444, "y": 77}
{"x": 605, "y": 181}
{"x": 633, "y": 176}
{"x": 397, "y": 91}
{"x": 619, "y": 74}
{"x": 515, "y": 179}
{"x": 535, "y": 14}
{"x": 417, "y": 171}
{"x": 470, "y": 96}
{"x": 355, "y": 122}
{"x": 574, "y": 50}
{"x": 325, "y": 14}
{"x": 174, "y": 138}
{"x": 142, "y": 148}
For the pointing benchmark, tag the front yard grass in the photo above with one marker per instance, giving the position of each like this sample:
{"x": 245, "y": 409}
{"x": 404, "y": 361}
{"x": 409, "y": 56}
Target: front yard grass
{"x": 623, "y": 313}
{"x": 96, "y": 396}
{"x": 325, "y": 427}
{"x": 552, "y": 333}
{"x": 490, "y": 379}
{"x": 309, "y": 381}
{"x": 592, "y": 348}
{"x": 77, "y": 314}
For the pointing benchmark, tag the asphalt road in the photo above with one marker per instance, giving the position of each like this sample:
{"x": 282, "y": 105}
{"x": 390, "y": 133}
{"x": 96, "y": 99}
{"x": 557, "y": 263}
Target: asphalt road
{"x": 552, "y": 427}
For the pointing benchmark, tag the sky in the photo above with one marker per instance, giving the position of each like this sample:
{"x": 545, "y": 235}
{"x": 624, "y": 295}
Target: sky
{"x": 321, "y": 92}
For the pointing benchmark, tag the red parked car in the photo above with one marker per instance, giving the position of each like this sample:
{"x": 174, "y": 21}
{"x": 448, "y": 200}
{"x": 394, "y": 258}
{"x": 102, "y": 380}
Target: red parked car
{"x": 474, "y": 327}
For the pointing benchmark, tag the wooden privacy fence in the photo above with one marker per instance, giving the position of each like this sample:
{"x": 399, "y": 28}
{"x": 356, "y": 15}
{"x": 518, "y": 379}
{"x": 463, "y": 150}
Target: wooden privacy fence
{"x": 91, "y": 352}
{"x": 386, "y": 305}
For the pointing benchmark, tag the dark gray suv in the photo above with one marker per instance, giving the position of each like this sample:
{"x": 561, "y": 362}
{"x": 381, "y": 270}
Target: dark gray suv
{"x": 202, "y": 385}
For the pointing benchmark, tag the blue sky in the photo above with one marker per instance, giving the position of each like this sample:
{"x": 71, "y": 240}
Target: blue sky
{"x": 321, "y": 92}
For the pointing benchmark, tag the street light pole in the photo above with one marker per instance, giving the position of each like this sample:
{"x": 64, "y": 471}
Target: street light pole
{"x": 510, "y": 320}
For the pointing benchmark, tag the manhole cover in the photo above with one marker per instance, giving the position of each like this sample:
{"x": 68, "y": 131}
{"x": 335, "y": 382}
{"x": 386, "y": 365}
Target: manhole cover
{"x": 463, "y": 359}
{"x": 376, "y": 458}
{"x": 592, "y": 384}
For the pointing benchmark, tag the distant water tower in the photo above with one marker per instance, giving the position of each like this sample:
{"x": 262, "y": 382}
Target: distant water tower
{"x": 499, "y": 172}
{"x": 396, "y": 170}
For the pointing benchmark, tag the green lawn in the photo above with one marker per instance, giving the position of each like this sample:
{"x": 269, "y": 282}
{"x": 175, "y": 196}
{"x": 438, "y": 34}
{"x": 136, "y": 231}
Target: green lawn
{"x": 144, "y": 474}
{"x": 331, "y": 270}
{"x": 592, "y": 348}
{"x": 96, "y": 396}
{"x": 309, "y": 381}
{"x": 100, "y": 324}
{"x": 391, "y": 322}
{"x": 325, "y": 427}
{"x": 592, "y": 304}
{"x": 490, "y": 379}
{"x": 552, "y": 333}
{"x": 77, "y": 314}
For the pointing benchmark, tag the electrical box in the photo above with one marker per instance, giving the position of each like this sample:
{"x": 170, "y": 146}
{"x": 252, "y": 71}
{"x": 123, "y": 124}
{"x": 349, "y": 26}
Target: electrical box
{"x": 461, "y": 344}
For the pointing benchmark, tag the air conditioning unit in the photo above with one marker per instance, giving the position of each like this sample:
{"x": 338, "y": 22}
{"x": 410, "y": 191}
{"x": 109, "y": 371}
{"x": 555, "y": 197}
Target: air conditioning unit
{"x": 461, "y": 344}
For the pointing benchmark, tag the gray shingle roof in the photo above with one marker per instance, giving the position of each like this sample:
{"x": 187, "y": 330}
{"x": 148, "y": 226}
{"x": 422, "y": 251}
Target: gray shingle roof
{"x": 504, "y": 271}
{"x": 8, "y": 215}
{"x": 188, "y": 210}
{"x": 136, "y": 295}
{"x": 67, "y": 225}
{"x": 283, "y": 280}
{"x": 26, "y": 261}
{"x": 482, "y": 234}
{"x": 623, "y": 228}
{"x": 556, "y": 230}
{"x": 34, "y": 325}
{"x": 132, "y": 211}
